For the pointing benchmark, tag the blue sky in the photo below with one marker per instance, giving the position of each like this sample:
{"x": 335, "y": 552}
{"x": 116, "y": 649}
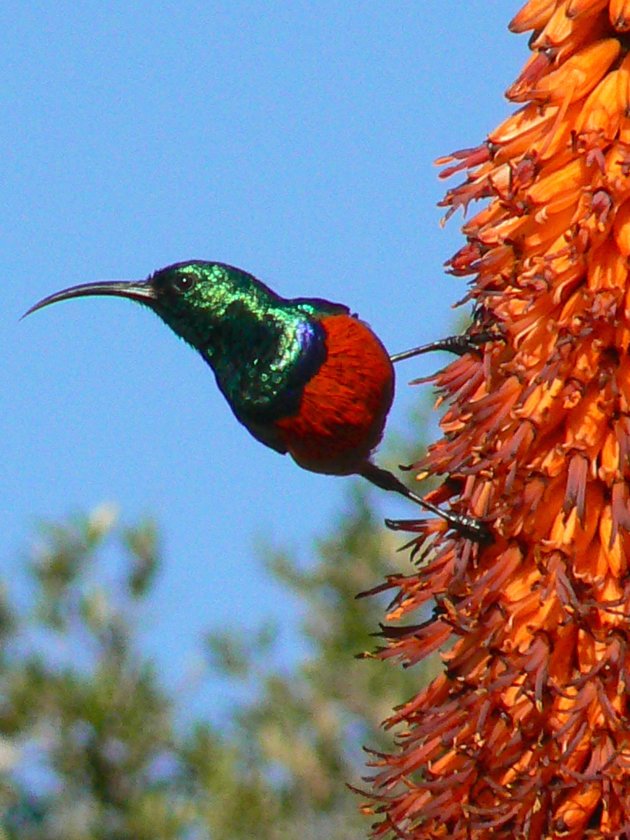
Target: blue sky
{"x": 294, "y": 140}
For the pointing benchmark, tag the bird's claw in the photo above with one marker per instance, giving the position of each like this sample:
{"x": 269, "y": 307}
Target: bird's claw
{"x": 467, "y": 526}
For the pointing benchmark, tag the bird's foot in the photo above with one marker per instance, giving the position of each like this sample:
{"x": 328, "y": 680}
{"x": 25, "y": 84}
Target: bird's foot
{"x": 457, "y": 344}
{"x": 468, "y": 526}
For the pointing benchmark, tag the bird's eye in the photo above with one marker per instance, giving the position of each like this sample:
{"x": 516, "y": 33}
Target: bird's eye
{"x": 183, "y": 282}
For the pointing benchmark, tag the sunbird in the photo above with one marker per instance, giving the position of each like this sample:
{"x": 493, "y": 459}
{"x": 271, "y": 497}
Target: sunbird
{"x": 305, "y": 376}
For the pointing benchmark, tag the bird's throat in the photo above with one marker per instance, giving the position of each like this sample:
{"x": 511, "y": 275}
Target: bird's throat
{"x": 262, "y": 361}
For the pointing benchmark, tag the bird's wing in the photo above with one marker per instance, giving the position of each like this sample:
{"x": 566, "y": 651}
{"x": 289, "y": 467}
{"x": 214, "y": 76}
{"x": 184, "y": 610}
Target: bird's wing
{"x": 319, "y": 307}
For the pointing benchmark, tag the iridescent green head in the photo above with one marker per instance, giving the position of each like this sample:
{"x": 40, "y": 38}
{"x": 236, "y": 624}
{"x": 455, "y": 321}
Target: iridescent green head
{"x": 191, "y": 297}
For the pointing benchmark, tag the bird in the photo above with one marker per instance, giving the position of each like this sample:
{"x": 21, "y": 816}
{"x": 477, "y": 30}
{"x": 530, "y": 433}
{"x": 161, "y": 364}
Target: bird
{"x": 305, "y": 376}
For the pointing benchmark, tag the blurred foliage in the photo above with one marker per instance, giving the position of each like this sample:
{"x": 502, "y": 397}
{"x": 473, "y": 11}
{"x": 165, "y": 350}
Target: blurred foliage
{"x": 93, "y": 746}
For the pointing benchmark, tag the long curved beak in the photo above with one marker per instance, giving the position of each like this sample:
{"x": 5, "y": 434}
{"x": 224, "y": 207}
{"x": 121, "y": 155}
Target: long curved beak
{"x": 140, "y": 290}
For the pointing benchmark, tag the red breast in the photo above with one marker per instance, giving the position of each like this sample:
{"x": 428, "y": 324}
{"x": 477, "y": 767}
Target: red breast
{"x": 344, "y": 406}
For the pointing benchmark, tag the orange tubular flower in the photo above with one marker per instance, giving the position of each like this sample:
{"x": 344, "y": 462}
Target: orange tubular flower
{"x": 526, "y": 733}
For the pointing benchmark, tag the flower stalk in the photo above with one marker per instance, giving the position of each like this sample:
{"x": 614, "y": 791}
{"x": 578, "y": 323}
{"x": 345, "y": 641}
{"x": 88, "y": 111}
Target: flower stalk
{"x": 526, "y": 732}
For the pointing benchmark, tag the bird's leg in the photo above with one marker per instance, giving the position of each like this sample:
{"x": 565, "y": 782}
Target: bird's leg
{"x": 467, "y": 526}
{"x": 458, "y": 344}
